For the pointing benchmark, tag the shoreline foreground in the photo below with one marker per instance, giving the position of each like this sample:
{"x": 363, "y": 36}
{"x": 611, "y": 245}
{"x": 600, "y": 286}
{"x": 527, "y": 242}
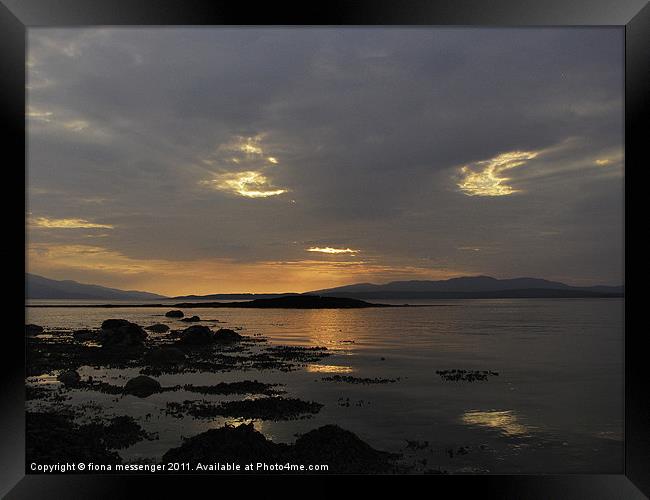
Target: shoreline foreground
{"x": 57, "y": 431}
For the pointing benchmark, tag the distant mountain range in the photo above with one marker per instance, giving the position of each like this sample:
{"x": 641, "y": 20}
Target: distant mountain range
{"x": 471, "y": 287}
{"x": 38, "y": 287}
{"x": 234, "y": 296}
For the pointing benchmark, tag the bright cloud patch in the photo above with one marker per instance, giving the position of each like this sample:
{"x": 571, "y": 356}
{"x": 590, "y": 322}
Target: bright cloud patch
{"x": 248, "y": 184}
{"x": 332, "y": 250}
{"x": 249, "y": 146}
{"x": 47, "y": 222}
{"x": 39, "y": 115}
{"x": 248, "y": 156}
{"x": 486, "y": 178}
{"x": 63, "y": 122}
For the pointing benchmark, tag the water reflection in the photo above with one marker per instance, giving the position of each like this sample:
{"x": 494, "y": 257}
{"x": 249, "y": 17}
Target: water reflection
{"x": 329, "y": 369}
{"x": 504, "y": 421}
{"x": 329, "y": 327}
{"x": 584, "y": 347}
{"x": 43, "y": 379}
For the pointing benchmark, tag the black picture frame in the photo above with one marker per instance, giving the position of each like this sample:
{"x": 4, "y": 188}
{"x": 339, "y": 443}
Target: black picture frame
{"x": 18, "y": 15}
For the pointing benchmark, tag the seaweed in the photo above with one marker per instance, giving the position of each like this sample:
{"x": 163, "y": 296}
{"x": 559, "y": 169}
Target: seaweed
{"x": 348, "y": 379}
{"x": 466, "y": 375}
{"x": 268, "y": 408}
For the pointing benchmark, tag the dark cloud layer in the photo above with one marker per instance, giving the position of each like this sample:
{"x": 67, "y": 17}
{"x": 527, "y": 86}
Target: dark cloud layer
{"x": 365, "y": 131}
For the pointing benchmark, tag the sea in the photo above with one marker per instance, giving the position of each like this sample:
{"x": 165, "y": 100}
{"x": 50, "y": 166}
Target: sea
{"x": 552, "y": 402}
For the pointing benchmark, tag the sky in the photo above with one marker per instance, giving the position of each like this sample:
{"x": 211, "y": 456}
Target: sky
{"x": 216, "y": 160}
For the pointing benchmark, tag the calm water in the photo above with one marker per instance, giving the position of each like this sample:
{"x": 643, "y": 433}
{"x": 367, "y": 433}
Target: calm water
{"x": 556, "y": 406}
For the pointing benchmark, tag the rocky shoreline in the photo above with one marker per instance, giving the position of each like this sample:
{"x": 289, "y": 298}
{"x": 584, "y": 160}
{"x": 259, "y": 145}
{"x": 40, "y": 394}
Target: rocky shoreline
{"x": 56, "y": 430}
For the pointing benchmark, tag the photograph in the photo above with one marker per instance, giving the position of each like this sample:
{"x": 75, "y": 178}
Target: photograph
{"x": 384, "y": 250}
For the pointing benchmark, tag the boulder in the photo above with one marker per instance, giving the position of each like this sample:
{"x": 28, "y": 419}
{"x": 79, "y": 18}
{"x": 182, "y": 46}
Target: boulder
{"x": 227, "y": 444}
{"x": 142, "y": 386}
{"x": 193, "y": 319}
{"x": 121, "y": 333}
{"x": 174, "y": 314}
{"x": 31, "y": 330}
{"x": 227, "y": 335}
{"x": 197, "y": 335}
{"x": 69, "y": 377}
{"x": 83, "y": 335}
{"x": 157, "y": 328}
{"x": 165, "y": 356}
{"x": 343, "y": 449}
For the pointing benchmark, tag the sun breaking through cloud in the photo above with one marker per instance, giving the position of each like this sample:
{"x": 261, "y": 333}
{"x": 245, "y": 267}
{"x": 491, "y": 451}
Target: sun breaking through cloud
{"x": 484, "y": 178}
{"x": 247, "y": 155}
{"x": 248, "y": 184}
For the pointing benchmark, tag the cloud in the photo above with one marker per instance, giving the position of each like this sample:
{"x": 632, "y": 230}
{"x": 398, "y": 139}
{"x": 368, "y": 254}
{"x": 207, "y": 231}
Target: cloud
{"x": 50, "y": 223}
{"x": 48, "y": 121}
{"x": 331, "y": 250}
{"x": 247, "y": 184}
{"x": 485, "y": 178}
{"x": 365, "y": 128}
{"x": 38, "y": 115}
{"x": 234, "y": 155}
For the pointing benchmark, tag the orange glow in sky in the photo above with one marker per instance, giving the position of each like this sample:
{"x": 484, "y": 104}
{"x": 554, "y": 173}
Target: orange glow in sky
{"x": 97, "y": 265}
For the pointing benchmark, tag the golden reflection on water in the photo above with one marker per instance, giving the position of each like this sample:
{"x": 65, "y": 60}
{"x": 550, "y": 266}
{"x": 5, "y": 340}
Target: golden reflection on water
{"x": 236, "y": 421}
{"x": 505, "y": 421}
{"x": 327, "y": 328}
{"x": 329, "y": 369}
{"x": 263, "y": 427}
{"x": 43, "y": 379}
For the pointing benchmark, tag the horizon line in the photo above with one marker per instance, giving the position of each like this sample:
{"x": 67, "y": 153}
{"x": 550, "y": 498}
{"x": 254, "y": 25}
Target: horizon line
{"x": 173, "y": 296}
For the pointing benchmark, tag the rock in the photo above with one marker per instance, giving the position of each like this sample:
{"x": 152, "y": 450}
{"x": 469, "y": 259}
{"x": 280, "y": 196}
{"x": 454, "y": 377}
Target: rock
{"x": 174, "y": 314}
{"x": 240, "y": 444}
{"x": 121, "y": 333}
{"x": 197, "y": 335}
{"x": 119, "y": 432}
{"x": 142, "y": 386}
{"x": 193, "y": 319}
{"x": 165, "y": 356}
{"x": 83, "y": 335}
{"x": 54, "y": 438}
{"x": 157, "y": 328}
{"x": 31, "y": 330}
{"x": 227, "y": 335}
{"x": 111, "y": 324}
{"x": 342, "y": 450}
{"x": 69, "y": 377}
